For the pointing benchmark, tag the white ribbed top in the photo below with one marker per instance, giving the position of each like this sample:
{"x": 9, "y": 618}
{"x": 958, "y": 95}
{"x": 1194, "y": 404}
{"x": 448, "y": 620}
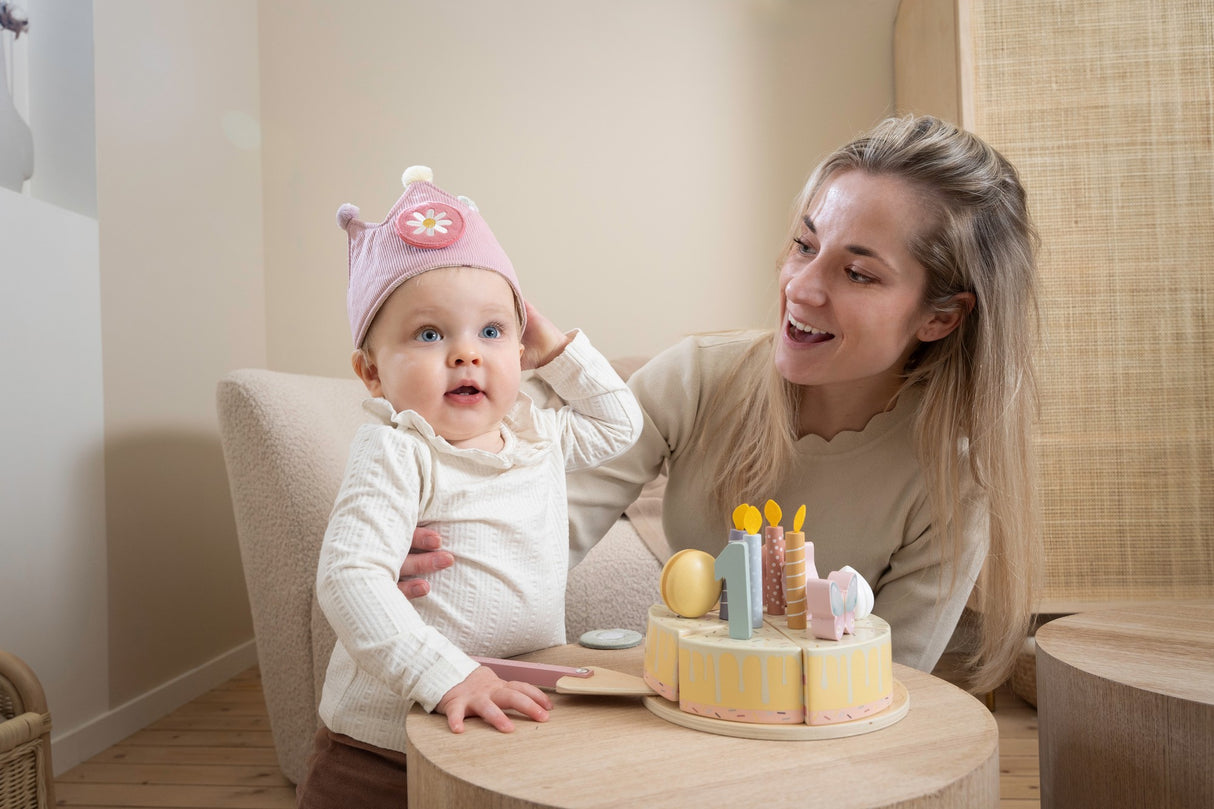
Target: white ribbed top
{"x": 503, "y": 515}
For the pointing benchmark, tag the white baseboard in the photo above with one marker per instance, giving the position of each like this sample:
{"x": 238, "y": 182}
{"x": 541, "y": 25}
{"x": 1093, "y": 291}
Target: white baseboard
{"x": 82, "y": 743}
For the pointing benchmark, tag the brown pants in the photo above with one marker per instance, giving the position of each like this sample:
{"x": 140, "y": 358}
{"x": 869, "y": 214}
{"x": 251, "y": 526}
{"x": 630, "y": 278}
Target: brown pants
{"x": 344, "y": 772}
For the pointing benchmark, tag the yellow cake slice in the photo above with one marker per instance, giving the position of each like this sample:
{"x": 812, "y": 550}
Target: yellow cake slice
{"x": 754, "y": 680}
{"x": 777, "y": 676}
{"x": 665, "y": 629}
{"x": 845, "y": 679}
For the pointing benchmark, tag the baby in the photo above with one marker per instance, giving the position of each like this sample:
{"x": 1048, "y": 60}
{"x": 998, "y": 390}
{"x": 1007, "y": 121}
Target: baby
{"x": 442, "y": 335}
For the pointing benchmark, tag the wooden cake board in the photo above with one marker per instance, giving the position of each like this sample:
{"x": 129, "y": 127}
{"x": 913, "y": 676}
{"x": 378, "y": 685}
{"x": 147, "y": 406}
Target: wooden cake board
{"x": 797, "y": 733}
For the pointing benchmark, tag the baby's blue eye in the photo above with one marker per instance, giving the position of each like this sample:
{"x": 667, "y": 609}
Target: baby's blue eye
{"x": 429, "y": 336}
{"x": 491, "y": 332}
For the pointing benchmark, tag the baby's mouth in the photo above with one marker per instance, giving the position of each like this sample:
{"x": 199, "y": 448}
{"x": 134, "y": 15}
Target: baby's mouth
{"x": 800, "y": 332}
{"x": 465, "y": 390}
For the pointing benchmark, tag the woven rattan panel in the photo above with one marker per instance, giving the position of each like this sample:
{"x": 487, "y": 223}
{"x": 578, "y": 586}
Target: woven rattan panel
{"x": 1107, "y": 108}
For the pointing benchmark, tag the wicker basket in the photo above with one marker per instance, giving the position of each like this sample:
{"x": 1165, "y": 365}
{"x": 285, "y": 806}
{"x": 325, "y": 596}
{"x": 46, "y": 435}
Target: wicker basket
{"x": 1024, "y": 673}
{"x": 26, "y": 778}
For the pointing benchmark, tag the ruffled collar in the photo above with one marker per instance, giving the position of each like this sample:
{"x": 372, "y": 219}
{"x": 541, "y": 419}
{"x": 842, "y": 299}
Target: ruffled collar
{"x": 524, "y": 444}
{"x": 879, "y": 426}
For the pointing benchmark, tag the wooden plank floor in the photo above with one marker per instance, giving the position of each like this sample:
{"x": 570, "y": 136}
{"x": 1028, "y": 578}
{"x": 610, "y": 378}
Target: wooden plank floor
{"x": 216, "y": 753}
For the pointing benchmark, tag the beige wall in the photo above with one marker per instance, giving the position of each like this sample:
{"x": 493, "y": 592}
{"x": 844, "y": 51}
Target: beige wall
{"x": 637, "y": 159}
{"x": 182, "y": 301}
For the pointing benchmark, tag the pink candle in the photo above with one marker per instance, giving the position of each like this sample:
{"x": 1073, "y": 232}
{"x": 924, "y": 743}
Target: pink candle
{"x": 773, "y": 569}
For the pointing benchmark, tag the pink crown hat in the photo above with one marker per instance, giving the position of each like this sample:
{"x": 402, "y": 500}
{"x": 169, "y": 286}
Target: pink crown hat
{"x": 426, "y": 229}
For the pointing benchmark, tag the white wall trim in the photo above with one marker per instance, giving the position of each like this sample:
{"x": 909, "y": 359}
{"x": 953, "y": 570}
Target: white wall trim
{"x": 79, "y": 744}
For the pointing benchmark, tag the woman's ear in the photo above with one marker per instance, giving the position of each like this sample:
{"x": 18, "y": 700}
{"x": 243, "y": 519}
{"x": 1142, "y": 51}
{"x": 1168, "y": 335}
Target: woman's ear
{"x": 366, "y": 371}
{"x": 945, "y": 321}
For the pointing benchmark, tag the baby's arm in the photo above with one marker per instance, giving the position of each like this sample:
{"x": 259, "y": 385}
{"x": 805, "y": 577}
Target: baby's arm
{"x": 369, "y": 530}
{"x": 484, "y": 694}
{"x": 601, "y": 418}
{"x": 369, "y": 533}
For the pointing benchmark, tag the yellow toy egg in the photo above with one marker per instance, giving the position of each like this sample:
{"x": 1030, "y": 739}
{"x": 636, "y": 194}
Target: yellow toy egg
{"x": 688, "y": 584}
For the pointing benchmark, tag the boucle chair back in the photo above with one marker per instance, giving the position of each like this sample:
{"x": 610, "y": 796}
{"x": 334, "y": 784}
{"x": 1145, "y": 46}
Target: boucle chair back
{"x": 285, "y": 440}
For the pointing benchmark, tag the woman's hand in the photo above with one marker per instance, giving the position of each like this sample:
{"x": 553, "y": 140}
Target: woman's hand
{"x": 425, "y": 556}
{"x": 484, "y": 694}
{"x": 542, "y": 340}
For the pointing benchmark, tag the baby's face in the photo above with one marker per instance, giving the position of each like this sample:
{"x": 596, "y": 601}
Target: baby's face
{"x": 446, "y": 344}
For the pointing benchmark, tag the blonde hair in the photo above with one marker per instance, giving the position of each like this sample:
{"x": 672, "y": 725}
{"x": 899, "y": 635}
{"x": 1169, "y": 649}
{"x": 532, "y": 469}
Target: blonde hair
{"x": 979, "y": 399}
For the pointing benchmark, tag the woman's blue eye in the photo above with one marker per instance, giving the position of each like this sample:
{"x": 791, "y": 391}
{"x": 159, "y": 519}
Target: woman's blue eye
{"x": 491, "y": 332}
{"x": 429, "y": 336}
{"x": 804, "y": 248}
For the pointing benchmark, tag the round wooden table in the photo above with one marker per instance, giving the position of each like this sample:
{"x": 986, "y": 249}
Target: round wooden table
{"x": 612, "y": 752}
{"x": 1125, "y": 708}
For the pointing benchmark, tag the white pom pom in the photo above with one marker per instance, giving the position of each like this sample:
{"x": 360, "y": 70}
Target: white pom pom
{"x": 417, "y": 174}
{"x": 345, "y": 214}
{"x": 468, "y": 202}
{"x": 865, "y": 598}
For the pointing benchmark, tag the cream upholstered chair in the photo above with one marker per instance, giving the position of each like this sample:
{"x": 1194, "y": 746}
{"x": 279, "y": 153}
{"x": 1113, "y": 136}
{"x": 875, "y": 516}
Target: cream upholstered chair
{"x": 285, "y": 441}
{"x": 26, "y": 777}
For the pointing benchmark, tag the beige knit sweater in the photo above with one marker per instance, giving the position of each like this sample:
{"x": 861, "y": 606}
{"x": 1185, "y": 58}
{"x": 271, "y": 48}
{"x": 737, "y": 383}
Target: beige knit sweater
{"x": 866, "y": 505}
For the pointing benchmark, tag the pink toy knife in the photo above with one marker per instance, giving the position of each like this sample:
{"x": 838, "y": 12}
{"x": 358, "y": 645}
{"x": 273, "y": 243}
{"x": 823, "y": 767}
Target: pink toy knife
{"x": 569, "y": 680}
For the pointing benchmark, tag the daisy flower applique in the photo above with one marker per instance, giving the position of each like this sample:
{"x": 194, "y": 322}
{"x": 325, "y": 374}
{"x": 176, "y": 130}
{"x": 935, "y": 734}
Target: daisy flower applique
{"x": 430, "y": 222}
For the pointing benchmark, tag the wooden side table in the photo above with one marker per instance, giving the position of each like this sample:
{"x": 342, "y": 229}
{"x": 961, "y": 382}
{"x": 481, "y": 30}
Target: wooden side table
{"x": 1125, "y": 706}
{"x": 612, "y": 752}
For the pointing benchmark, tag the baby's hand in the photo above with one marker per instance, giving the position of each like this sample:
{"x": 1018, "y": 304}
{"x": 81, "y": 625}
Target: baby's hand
{"x": 542, "y": 340}
{"x": 484, "y": 694}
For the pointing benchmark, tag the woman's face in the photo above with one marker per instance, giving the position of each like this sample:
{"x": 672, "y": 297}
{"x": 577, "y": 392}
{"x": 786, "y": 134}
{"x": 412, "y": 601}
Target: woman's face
{"x": 851, "y": 293}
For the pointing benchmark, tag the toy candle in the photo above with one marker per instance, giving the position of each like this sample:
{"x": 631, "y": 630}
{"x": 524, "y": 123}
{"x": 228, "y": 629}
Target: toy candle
{"x": 754, "y": 546}
{"x": 794, "y": 573}
{"x": 735, "y": 535}
{"x": 773, "y": 560}
{"x": 733, "y": 565}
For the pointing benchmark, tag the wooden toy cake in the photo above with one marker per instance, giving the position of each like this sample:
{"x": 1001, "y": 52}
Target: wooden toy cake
{"x": 818, "y": 658}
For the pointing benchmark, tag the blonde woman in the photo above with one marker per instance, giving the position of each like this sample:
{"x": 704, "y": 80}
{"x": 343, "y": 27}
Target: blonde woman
{"x": 894, "y": 399}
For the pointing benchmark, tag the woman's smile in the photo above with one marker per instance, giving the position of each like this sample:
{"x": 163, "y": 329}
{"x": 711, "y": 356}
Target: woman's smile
{"x": 804, "y": 333}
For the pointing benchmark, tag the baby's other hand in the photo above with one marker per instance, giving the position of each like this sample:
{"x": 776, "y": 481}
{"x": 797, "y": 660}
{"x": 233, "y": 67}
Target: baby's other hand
{"x": 484, "y": 694}
{"x": 542, "y": 340}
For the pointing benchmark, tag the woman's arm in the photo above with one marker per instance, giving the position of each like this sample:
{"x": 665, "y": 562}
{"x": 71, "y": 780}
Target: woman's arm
{"x": 925, "y": 589}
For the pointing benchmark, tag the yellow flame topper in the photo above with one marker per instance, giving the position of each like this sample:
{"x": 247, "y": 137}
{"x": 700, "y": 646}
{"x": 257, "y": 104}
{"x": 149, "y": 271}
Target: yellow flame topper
{"x": 753, "y": 520}
{"x": 772, "y": 509}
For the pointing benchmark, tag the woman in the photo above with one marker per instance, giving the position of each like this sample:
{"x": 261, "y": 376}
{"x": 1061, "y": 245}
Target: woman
{"x": 894, "y": 399}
